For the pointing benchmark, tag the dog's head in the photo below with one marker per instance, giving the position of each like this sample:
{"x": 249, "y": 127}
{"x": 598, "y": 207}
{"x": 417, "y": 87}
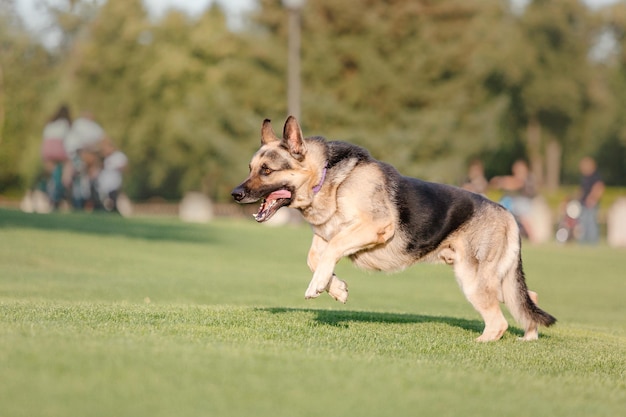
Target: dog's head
{"x": 281, "y": 174}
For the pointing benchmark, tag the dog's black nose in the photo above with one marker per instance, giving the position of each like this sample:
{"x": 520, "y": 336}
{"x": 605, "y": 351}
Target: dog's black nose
{"x": 238, "y": 193}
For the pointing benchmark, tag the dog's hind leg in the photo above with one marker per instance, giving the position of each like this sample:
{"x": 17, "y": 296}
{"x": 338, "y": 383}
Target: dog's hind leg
{"x": 489, "y": 308}
{"x": 484, "y": 294}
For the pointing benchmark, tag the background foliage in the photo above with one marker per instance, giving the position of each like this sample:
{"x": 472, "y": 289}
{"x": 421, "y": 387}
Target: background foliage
{"x": 426, "y": 85}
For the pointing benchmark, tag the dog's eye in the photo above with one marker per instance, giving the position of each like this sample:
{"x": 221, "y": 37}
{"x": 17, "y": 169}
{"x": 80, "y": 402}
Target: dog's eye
{"x": 265, "y": 170}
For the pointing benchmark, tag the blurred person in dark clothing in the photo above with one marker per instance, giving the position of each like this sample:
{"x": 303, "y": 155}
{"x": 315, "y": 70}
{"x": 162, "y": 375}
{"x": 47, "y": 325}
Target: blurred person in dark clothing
{"x": 591, "y": 190}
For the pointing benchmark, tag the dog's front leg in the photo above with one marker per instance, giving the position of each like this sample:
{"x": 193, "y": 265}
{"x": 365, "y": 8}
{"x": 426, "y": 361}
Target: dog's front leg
{"x": 317, "y": 247}
{"x": 358, "y": 236}
{"x": 337, "y": 288}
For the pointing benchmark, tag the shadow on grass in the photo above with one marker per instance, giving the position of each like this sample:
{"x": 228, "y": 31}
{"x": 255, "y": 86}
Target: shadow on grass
{"x": 343, "y": 318}
{"x": 106, "y": 224}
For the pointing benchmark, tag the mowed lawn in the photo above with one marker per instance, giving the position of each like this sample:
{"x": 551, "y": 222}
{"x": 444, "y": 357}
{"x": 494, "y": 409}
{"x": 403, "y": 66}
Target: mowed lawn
{"x": 105, "y": 316}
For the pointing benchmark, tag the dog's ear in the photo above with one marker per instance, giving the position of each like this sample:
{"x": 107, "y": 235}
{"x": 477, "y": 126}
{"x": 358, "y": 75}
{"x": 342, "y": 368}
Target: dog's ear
{"x": 292, "y": 139}
{"x": 267, "y": 133}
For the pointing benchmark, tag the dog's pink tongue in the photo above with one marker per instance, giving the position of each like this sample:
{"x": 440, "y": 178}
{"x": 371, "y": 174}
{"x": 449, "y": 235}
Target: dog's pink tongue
{"x": 279, "y": 194}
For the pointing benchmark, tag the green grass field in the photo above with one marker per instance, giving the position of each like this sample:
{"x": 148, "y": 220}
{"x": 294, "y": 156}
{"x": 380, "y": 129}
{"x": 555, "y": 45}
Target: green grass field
{"x": 104, "y": 316}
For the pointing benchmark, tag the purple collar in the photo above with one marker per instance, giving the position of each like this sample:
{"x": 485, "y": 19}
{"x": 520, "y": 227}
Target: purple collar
{"x": 318, "y": 187}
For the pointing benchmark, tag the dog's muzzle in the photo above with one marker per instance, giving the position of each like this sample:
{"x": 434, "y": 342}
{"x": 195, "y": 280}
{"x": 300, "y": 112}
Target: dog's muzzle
{"x": 269, "y": 205}
{"x": 238, "y": 193}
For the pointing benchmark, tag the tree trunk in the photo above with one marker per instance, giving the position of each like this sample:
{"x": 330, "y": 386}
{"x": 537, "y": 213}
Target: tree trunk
{"x": 533, "y": 137}
{"x": 1, "y": 104}
{"x": 554, "y": 151}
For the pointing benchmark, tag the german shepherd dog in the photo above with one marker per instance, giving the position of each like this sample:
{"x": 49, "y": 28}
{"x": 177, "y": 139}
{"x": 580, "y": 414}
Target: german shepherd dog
{"x": 364, "y": 209}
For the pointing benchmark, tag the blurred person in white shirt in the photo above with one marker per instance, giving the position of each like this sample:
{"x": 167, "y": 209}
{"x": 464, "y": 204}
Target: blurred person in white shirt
{"x": 109, "y": 183}
{"x": 85, "y": 136}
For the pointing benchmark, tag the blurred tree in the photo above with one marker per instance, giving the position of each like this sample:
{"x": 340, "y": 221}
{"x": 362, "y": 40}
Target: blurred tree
{"x": 105, "y": 67}
{"x": 608, "y": 130}
{"x": 176, "y": 94}
{"x": 193, "y": 125}
{"x": 69, "y": 19}
{"x": 409, "y": 80}
{"x": 424, "y": 84}
{"x": 25, "y": 76}
{"x": 555, "y": 40}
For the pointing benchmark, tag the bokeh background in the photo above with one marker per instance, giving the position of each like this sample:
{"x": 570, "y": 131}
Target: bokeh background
{"x": 428, "y": 85}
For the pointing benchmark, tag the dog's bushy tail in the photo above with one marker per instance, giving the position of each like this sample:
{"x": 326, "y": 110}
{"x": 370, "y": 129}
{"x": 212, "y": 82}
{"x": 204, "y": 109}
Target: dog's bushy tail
{"x": 531, "y": 310}
{"x": 516, "y": 295}
{"x": 520, "y": 303}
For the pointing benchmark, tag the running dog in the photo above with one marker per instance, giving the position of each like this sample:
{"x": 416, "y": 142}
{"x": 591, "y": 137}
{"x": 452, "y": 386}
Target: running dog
{"x": 364, "y": 209}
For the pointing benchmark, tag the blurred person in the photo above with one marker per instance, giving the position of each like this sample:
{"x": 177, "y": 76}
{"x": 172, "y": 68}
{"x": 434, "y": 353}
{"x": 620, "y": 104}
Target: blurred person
{"x": 85, "y": 131}
{"x": 476, "y": 181}
{"x": 110, "y": 178}
{"x": 53, "y": 153}
{"x": 520, "y": 189}
{"x": 81, "y": 145}
{"x": 85, "y": 185}
{"x": 591, "y": 190}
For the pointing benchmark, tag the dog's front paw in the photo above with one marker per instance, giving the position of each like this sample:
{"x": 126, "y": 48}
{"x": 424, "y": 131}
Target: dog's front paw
{"x": 312, "y": 291}
{"x": 338, "y": 290}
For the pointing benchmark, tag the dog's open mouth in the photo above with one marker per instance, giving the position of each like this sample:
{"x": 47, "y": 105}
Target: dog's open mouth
{"x": 271, "y": 204}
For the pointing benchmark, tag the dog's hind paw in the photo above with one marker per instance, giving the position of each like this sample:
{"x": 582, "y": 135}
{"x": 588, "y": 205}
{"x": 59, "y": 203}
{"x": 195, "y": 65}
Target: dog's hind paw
{"x": 338, "y": 289}
{"x": 492, "y": 334}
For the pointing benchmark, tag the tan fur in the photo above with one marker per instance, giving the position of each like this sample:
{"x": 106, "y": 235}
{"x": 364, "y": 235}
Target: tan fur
{"x": 353, "y": 215}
